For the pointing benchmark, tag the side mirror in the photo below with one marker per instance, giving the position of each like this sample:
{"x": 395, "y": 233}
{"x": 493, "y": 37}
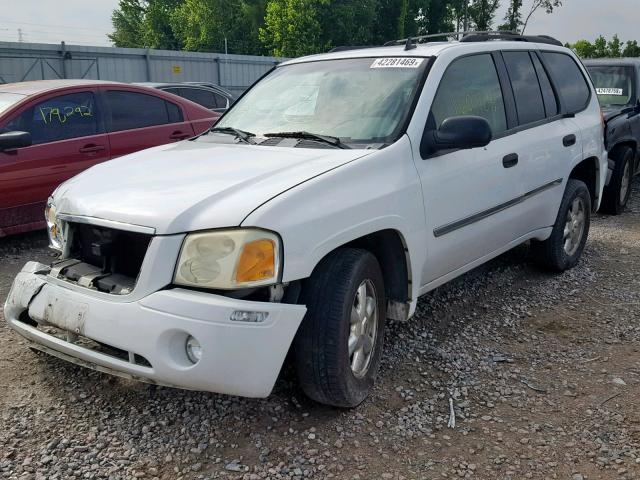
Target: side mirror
{"x": 462, "y": 133}
{"x": 11, "y": 140}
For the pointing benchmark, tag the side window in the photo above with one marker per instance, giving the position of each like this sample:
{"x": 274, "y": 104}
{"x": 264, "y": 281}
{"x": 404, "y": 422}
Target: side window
{"x": 571, "y": 84}
{"x": 221, "y": 101}
{"x": 526, "y": 89}
{"x": 550, "y": 102}
{"x": 470, "y": 86}
{"x": 175, "y": 113}
{"x": 200, "y": 96}
{"x": 59, "y": 118}
{"x": 130, "y": 110}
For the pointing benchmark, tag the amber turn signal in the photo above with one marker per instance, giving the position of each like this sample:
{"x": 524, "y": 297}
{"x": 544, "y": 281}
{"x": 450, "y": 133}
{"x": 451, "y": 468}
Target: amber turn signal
{"x": 257, "y": 261}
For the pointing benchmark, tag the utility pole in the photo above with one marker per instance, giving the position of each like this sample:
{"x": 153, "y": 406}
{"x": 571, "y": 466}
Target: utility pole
{"x": 20, "y": 35}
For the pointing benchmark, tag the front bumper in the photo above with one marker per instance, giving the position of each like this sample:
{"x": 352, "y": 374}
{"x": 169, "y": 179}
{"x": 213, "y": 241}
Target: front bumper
{"x": 237, "y": 358}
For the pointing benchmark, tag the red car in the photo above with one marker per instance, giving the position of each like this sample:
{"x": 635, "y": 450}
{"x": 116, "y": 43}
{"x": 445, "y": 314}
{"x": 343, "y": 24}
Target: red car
{"x": 51, "y": 130}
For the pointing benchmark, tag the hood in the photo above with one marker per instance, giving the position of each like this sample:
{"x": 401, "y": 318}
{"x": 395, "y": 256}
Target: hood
{"x": 610, "y": 112}
{"x": 193, "y": 185}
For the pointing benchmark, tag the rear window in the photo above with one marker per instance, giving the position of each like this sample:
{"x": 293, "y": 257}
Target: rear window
{"x": 526, "y": 89}
{"x": 614, "y": 84}
{"x": 200, "y": 96}
{"x": 131, "y": 110}
{"x": 569, "y": 80}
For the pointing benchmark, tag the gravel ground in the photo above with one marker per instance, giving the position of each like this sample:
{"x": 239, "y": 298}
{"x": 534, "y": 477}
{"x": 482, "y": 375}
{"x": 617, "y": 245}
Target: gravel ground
{"x": 542, "y": 371}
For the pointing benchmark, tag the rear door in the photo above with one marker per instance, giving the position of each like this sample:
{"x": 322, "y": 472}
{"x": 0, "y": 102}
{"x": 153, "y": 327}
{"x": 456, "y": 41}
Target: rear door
{"x": 548, "y": 142}
{"x": 68, "y": 136}
{"x": 136, "y": 121}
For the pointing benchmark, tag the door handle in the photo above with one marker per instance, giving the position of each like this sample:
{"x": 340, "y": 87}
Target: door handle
{"x": 569, "y": 140}
{"x": 510, "y": 160}
{"x": 178, "y": 135}
{"x": 91, "y": 148}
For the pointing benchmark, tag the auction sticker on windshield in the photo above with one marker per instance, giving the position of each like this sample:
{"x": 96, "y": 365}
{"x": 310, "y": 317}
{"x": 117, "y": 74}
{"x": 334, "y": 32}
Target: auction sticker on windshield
{"x": 397, "y": 62}
{"x": 610, "y": 91}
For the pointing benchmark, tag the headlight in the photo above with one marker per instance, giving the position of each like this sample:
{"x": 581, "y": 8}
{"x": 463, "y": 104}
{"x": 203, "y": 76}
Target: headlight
{"x": 229, "y": 259}
{"x": 54, "y": 226}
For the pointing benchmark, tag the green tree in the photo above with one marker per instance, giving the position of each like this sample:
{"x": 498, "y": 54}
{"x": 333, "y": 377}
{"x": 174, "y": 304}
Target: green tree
{"x": 215, "y": 25}
{"x": 482, "y": 12}
{"x": 513, "y": 18}
{"x": 157, "y": 30}
{"x": 127, "y": 24}
{"x": 600, "y": 47}
{"x": 631, "y": 49}
{"x": 584, "y": 49}
{"x": 346, "y": 22}
{"x": 292, "y": 27}
{"x": 546, "y": 5}
{"x": 614, "y": 47}
{"x": 435, "y": 16}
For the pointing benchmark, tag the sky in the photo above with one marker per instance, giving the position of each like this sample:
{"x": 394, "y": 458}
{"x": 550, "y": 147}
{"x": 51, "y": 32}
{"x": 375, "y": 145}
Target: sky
{"x": 87, "y": 22}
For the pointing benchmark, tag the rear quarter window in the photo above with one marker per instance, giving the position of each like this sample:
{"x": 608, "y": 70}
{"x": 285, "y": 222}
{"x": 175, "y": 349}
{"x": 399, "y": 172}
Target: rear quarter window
{"x": 572, "y": 86}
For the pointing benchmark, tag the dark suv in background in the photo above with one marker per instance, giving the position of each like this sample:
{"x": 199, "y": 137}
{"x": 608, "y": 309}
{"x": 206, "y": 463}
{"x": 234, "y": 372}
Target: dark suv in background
{"x": 617, "y": 82}
{"x": 208, "y": 95}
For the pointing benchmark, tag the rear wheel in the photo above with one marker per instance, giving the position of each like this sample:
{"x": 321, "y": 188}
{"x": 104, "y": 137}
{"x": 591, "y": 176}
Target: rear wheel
{"x": 562, "y": 250}
{"x": 339, "y": 344}
{"x": 617, "y": 193}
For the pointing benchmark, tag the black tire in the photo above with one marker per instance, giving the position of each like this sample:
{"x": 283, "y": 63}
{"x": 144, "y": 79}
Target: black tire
{"x": 551, "y": 253}
{"x": 321, "y": 350}
{"x": 613, "y": 202}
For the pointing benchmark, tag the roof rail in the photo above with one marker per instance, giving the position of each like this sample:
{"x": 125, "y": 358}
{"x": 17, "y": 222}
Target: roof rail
{"x": 488, "y": 36}
{"x": 344, "y": 48}
{"x": 478, "y": 37}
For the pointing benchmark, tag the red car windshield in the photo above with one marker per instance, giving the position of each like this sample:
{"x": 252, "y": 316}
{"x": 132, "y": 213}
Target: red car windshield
{"x": 7, "y": 100}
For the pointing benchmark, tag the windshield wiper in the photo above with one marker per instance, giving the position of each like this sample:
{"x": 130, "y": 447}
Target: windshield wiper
{"x": 236, "y": 132}
{"x": 334, "y": 141}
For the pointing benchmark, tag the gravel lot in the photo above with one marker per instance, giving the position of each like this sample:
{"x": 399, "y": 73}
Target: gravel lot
{"x": 543, "y": 372}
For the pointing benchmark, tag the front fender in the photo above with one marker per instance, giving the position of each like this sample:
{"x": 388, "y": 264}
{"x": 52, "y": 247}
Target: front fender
{"x": 377, "y": 192}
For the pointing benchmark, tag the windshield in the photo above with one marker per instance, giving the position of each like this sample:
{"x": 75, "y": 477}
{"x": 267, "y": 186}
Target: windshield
{"x": 9, "y": 99}
{"x": 614, "y": 85}
{"x": 358, "y": 100}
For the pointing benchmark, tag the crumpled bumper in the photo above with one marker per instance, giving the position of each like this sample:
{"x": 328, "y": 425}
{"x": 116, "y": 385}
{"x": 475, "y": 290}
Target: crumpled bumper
{"x": 237, "y": 358}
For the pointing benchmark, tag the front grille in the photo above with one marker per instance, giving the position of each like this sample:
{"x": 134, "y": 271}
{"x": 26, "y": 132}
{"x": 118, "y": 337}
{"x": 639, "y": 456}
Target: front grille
{"x": 103, "y": 258}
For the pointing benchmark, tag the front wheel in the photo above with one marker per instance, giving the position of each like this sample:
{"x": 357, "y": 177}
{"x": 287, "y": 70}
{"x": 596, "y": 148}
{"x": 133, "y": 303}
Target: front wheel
{"x": 339, "y": 344}
{"x": 617, "y": 193}
{"x": 562, "y": 250}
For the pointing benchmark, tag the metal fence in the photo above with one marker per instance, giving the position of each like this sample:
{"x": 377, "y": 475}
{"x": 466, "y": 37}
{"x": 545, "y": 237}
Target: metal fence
{"x": 39, "y": 61}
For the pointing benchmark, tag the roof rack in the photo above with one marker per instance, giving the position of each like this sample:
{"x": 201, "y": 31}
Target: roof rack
{"x": 477, "y": 37}
{"x": 344, "y": 48}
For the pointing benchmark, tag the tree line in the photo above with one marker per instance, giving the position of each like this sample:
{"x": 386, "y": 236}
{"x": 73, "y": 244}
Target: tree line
{"x": 292, "y": 28}
{"x": 601, "y": 48}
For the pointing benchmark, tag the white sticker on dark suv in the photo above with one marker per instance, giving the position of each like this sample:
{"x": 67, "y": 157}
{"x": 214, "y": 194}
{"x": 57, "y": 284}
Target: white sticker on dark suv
{"x": 397, "y": 62}
{"x": 609, "y": 91}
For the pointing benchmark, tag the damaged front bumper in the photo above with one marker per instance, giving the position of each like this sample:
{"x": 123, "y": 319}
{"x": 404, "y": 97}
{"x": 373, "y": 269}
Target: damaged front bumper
{"x": 146, "y": 339}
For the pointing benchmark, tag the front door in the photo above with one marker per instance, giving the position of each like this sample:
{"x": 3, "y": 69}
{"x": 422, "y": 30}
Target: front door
{"x": 67, "y": 136}
{"x": 470, "y": 196}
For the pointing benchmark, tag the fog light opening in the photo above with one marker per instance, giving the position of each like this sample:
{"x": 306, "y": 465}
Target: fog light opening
{"x": 193, "y": 349}
{"x": 248, "y": 316}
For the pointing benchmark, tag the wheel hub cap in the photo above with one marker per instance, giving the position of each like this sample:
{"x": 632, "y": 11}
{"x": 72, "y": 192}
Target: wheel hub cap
{"x": 626, "y": 184}
{"x": 574, "y": 228}
{"x": 363, "y": 328}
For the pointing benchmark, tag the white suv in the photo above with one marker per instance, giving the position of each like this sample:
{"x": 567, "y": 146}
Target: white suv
{"x": 334, "y": 193}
